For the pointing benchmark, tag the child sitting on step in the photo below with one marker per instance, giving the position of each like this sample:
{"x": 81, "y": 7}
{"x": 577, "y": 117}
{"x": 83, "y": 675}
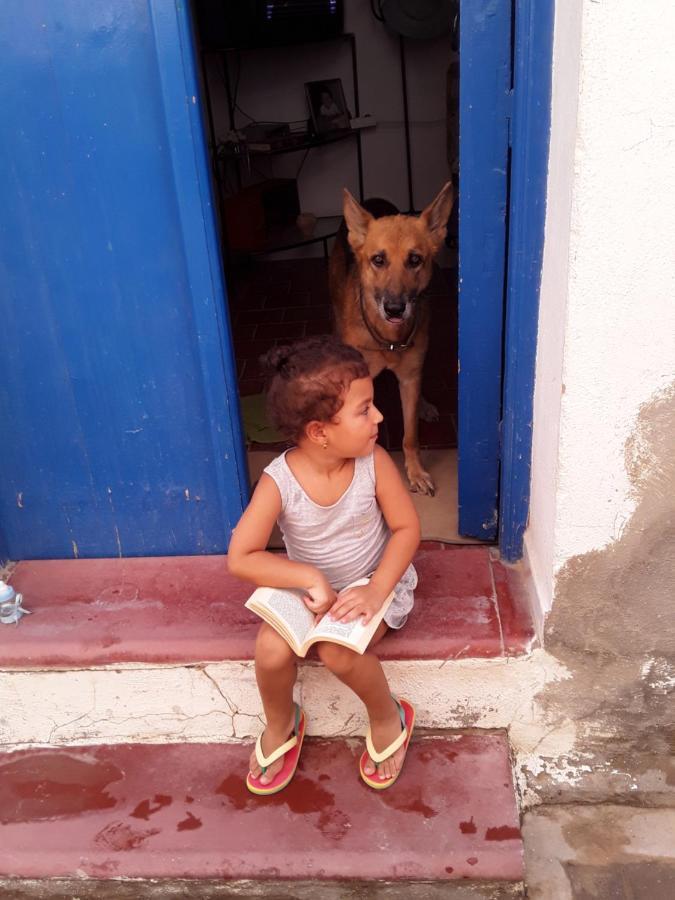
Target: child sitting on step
{"x": 344, "y": 513}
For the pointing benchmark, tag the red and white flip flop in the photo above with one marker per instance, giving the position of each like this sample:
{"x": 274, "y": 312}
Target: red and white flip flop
{"x": 291, "y": 753}
{"x": 407, "y": 713}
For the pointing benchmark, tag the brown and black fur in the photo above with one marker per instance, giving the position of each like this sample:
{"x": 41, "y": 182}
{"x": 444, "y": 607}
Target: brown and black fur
{"x": 379, "y": 268}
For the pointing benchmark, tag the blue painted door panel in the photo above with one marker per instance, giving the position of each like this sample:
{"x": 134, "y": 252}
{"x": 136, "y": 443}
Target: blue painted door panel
{"x": 118, "y": 408}
{"x": 485, "y": 85}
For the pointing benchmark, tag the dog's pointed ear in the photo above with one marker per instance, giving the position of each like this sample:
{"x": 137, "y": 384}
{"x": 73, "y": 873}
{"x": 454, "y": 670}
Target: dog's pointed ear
{"x": 357, "y": 219}
{"x": 437, "y": 213}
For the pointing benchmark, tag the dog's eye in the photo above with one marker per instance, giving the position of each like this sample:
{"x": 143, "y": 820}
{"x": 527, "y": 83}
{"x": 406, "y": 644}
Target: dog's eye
{"x": 378, "y": 260}
{"x": 414, "y": 260}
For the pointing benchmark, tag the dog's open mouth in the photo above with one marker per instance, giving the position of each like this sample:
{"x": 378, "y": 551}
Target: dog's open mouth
{"x": 394, "y": 314}
{"x": 395, "y": 310}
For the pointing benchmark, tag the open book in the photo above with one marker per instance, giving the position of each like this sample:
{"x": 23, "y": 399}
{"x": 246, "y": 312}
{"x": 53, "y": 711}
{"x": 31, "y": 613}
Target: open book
{"x": 285, "y": 610}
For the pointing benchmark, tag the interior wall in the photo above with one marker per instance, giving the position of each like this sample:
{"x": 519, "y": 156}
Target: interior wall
{"x": 271, "y": 87}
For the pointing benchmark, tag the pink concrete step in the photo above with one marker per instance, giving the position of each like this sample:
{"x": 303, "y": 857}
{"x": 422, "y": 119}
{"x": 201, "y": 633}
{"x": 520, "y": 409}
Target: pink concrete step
{"x": 189, "y": 609}
{"x": 182, "y": 811}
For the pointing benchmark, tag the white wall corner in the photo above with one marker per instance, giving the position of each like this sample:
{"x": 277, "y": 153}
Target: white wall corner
{"x": 539, "y": 541}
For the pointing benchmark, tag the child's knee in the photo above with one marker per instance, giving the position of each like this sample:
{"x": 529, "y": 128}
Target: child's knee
{"x": 337, "y": 658}
{"x": 272, "y": 653}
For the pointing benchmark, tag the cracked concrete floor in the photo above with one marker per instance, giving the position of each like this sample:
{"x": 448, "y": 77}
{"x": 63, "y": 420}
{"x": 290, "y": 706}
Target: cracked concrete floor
{"x": 603, "y": 852}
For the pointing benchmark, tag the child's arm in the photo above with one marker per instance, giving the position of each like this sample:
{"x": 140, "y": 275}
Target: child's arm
{"x": 401, "y": 517}
{"x": 248, "y": 559}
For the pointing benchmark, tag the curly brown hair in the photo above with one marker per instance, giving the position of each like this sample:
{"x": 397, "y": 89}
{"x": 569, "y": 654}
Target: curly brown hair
{"x": 308, "y": 380}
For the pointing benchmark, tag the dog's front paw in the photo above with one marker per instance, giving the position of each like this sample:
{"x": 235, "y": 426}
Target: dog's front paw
{"x": 427, "y": 411}
{"x": 420, "y": 481}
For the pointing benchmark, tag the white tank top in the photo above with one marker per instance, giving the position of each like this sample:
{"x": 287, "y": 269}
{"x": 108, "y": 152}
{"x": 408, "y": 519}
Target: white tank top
{"x": 345, "y": 540}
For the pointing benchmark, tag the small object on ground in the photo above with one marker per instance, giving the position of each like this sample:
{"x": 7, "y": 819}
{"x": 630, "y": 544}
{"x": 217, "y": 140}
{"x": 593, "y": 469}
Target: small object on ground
{"x": 257, "y": 427}
{"x": 11, "y": 609}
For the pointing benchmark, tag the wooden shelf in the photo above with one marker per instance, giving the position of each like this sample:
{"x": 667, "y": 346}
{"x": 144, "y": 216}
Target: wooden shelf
{"x": 305, "y": 142}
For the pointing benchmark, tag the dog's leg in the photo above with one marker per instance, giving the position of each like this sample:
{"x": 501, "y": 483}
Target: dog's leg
{"x": 427, "y": 411}
{"x": 420, "y": 480}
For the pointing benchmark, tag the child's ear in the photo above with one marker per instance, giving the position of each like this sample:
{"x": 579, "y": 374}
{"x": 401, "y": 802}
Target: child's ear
{"x": 316, "y": 433}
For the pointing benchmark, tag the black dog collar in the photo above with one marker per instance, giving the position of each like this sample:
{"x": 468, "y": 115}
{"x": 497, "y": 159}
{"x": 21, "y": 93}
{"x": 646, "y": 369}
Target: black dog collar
{"x": 392, "y": 346}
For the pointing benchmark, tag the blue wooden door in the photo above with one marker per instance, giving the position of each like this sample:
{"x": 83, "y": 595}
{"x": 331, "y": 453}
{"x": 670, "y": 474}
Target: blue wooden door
{"x": 485, "y": 102}
{"x": 119, "y": 422}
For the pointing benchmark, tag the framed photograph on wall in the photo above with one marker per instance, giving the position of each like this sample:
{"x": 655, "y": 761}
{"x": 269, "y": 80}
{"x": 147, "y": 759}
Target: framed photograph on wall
{"x": 327, "y": 107}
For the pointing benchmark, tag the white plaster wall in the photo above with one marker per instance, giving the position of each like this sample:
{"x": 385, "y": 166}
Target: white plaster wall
{"x": 539, "y": 537}
{"x": 607, "y": 319}
{"x": 220, "y": 701}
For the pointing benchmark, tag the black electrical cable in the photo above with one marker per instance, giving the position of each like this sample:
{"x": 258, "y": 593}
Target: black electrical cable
{"x": 302, "y": 162}
{"x": 376, "y": 9}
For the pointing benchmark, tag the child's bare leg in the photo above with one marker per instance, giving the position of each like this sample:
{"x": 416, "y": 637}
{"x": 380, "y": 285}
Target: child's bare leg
{"x": 365, "y": 676}
{"x": 275, "y": 672}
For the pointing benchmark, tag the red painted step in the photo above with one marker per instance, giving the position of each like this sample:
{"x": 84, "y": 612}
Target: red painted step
{"x": 182, "y": 811}
{"x": 189, "y": 609}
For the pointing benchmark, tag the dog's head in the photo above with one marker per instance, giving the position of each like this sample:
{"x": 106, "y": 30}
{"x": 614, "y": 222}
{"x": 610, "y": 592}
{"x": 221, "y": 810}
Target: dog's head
{"x": 395, "y": 253}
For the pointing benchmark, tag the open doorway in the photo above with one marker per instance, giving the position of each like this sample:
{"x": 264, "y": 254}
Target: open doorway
{"x": 280, "y": 162}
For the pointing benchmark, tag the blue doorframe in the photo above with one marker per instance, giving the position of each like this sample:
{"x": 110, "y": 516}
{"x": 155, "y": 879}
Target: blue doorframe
{"x": 533, "y": 58}
{"x": 505, "y": 99}
{"x": 484, "y": 110}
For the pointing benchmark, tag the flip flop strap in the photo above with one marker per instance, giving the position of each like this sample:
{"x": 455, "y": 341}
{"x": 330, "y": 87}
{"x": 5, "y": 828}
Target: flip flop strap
{"x": 265, "y": 761}
{"x": 395, "y": 744}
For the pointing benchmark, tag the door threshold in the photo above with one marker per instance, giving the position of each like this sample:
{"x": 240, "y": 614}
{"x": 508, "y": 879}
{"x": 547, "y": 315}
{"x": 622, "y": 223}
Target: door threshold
{"x": 190, "y": 610}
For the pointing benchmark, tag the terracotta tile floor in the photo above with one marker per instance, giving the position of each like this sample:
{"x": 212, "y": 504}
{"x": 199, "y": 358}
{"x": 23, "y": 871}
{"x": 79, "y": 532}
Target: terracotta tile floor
{"x": 275, "y": 302}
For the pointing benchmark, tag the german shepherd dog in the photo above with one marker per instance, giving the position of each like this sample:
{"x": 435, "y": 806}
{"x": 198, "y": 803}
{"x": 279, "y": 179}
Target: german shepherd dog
{"x": 379, "y": 267}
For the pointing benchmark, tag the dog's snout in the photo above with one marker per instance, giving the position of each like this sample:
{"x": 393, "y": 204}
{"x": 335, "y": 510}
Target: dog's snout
{"x": 394, "y": 307}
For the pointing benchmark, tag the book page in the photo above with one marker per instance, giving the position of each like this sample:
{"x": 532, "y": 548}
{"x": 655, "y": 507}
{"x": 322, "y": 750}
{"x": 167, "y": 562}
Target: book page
{"x": 349, "y": 632}
{"x": 290, "y": 608}
{"x": 355, "y": 633}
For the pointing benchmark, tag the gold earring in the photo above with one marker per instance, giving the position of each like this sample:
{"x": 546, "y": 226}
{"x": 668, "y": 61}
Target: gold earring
{"x": 325, "y": 445}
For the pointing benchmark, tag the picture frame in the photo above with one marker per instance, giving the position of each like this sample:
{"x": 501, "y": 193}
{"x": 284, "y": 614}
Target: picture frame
{"x": 327, "y": 106}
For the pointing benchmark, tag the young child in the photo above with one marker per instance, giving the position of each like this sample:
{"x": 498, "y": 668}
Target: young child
{"x": 344, "y": 513}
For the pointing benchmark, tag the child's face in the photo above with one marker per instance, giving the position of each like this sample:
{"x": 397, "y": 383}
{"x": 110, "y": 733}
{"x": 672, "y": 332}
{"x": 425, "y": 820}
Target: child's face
{"x": 353, "y": 432}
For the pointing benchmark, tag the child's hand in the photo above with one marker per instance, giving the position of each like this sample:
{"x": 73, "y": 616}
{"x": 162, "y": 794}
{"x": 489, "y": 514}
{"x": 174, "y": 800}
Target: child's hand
{"x": 319, "y": 596}
{"x": 364, "y": 600}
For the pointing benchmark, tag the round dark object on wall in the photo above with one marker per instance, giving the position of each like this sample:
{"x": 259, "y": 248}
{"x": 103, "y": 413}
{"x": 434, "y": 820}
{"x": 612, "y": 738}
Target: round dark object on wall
{"x": 418, "y": 18}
